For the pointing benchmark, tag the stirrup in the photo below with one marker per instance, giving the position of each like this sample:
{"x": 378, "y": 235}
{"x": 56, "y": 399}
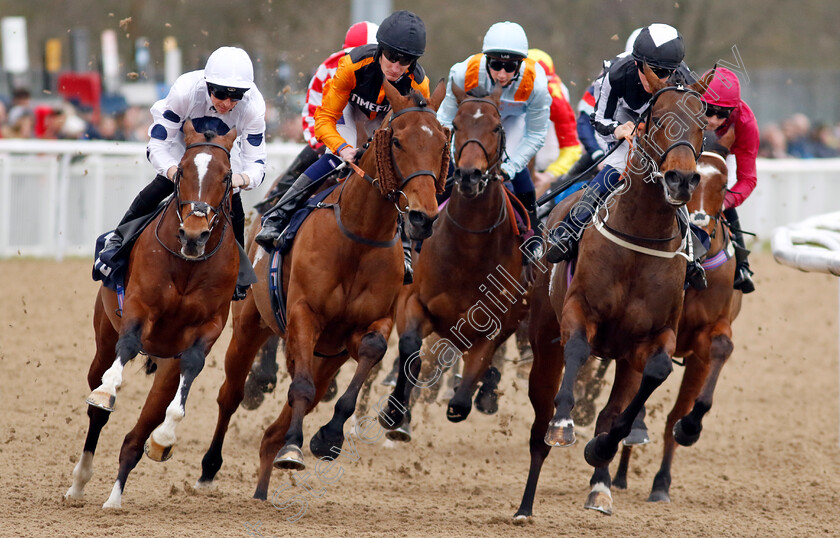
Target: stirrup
{"x": 240, "y": 293}
{"x": 743, "y": 282}
{"x": 695, "y": 275}
{"x": 270, "y": 233}
{"x": 563, "y": 246}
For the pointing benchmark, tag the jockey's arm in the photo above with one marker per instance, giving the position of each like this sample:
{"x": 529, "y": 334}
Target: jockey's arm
{"x": 536, "y": 126}
{"x": 336, "y": 96}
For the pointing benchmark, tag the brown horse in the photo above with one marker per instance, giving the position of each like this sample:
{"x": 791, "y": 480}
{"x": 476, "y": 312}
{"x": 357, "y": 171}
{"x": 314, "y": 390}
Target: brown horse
{"x": 472, "y": 255}
{"x": 704, "y": 337}
{"x": 180, "y": 278}
{"x": 342, "y": 278}
{"x": 625, "y": 297}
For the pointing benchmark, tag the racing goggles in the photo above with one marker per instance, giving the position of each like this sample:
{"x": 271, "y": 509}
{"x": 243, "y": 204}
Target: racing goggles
{"x": 719, "y": 111}
{"x": 397, "y": 57}
{"x": 510, "y": 66}
{"x": 223, "y": 92}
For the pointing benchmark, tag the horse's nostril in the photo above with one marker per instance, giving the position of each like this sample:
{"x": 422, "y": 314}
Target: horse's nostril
{"x": 182, "y": 234}
{"x": 204, "y": 236}
{"x": 416, "y": 218}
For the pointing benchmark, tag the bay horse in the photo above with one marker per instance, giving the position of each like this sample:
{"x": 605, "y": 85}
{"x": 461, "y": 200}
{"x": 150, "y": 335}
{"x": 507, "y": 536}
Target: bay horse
{"x": 704, "y": 337}
{"x": 624, "y": 298}
{"x": 472, "y": 255}
{"x": 181, "y": 275}
{"x": 342, "y": 278}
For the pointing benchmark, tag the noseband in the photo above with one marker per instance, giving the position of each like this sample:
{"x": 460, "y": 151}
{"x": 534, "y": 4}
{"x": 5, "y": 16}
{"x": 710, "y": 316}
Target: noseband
{"x": 198, "y": 207}
{"x": 496, "y": 160}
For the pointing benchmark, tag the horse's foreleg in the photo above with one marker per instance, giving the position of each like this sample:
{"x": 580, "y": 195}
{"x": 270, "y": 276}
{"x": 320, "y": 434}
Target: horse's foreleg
{"x": 302, "y": 333}
{"x": 476, "y": 362}
{"x": 602, "y": 449}
{"x": 163, "y": 390}
{"x": 160, "y": 444}
{"x": 687, "y": 429}
{"x": 128, "y": 346}
{"x": 544, "y": 379}
{"x": 370, "y": 349}
{"x": 411, "y": 339}
{"x": 106, "y": 338}
{"x": 263, "y": 375}
{"x": 248, "y": 335}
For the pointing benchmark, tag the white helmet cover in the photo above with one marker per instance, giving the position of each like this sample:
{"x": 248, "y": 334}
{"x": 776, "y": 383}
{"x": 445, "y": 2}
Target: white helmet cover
{"x": 506, "y": 40}
{"x": 230, "y": 67}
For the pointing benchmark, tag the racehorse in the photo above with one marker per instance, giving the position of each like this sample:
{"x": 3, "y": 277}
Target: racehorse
{"x": 342, "y": 278}
{"x": 704, "y": 337}
{"x": 474, "y": 246}
{"x": 625, "y": 295}
{"x": 180, "y": 277}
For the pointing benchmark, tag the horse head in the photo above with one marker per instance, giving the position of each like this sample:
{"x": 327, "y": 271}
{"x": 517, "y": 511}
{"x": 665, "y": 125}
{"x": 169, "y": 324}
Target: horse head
{"x": 479, "y": 139}
{"x": 202, "y": 187}
{"x": 672, "y": 137}
{"x": 706, "y": 203}
{"x": 412, "y": 157}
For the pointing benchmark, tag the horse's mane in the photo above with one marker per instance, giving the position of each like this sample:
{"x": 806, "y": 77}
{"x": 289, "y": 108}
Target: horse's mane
{"x": 209, "y": 135}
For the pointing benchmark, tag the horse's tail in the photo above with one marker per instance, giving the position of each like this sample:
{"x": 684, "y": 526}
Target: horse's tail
{"x": 150, "y": 366}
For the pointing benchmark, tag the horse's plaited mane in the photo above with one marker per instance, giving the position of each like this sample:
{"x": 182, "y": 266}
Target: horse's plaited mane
{"x": 209, "y": 135}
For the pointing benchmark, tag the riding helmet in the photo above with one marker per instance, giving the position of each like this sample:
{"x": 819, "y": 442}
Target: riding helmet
{"x": 230, "y": 67}
{"x": 404, "y": 32}
{"x": 506, "y": 40}
{"x": 361, "y": 33}
{"x": 659, "y": 45}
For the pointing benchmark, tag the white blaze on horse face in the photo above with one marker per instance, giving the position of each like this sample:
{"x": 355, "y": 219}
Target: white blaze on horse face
{"x": 477, "y": 114}
{"x": 202, "y": 162}
{"x": 427, "y": 130}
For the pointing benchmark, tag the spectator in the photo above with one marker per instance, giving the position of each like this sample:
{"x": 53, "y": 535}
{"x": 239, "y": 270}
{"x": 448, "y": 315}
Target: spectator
{"x": 773, "y": 144}
{"x": 796, "y": 129}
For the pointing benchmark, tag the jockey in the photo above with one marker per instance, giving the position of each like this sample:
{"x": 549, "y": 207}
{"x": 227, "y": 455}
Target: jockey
{"x": 361, "y": 33}
{"x": 622, "y": 96}
{"x": 354, "y": 95}
{"x": 220, "y": 97}
{"x": 525, "y": 104}
{"x": 726, "y": 110}
{"x": 562, "y": 117}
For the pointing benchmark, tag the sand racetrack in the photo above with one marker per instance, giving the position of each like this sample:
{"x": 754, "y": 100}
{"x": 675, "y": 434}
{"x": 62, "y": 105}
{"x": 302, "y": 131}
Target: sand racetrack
{"x": 767, "y": 463}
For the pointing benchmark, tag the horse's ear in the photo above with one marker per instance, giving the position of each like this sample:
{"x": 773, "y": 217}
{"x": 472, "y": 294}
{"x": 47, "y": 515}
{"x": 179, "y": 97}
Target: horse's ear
{"x": 438, "y": 94}
{"x": 398, "y": 102}
{"x": 229, "y": 139}
{"x": 727, "y": 139}
{"x": 189, "y": 133}
{"x": 703, "y": 84}
{"x": 653, "y": 81}
{"x": 496, "y": 96}
{"x": 458, "y": 92}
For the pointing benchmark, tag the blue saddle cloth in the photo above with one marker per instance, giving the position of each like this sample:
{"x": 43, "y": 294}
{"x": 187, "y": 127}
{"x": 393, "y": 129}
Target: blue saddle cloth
{"x": 284, "y": 245}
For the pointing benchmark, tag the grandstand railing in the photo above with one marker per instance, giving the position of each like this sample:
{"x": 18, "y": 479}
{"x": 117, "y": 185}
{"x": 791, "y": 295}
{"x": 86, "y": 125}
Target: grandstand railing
{"x": 56, "y": 197}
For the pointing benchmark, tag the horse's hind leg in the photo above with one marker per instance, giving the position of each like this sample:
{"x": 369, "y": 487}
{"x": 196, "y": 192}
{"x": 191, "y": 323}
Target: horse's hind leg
{"x": 163, "y": 390}
{"x": 106, "y": 339}
{"x": 127, "y": 347}
{"x": 371, "y": 348}
{"x": 476, "y": 363}
{"x": 160, "y": 444}
{"x": 248, "y": 335}
{"x": 263, "y": 375}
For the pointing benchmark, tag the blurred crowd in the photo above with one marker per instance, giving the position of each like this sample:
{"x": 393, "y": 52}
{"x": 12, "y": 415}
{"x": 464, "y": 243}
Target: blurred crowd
{"x": 23, "y": 117}
{"x": 797, "y": 137}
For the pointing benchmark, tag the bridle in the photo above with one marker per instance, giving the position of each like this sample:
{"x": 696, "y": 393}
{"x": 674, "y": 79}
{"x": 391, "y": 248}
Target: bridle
{"x": 496, "y": 160}
{"x": 200, "y": 208}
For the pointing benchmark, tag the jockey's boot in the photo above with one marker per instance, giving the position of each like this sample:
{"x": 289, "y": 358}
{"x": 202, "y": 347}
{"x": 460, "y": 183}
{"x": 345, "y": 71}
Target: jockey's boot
{"x": 534, "y": 248}
{"x": 304, "y": 160}
{"x": 695, "y": 275}
{"x": 278, "y": 217}
{"x": 238, "y": 222}
{"x": 564, "y": 238}
{"x": 144, "y": 203}
{"x": 743, "y": 274}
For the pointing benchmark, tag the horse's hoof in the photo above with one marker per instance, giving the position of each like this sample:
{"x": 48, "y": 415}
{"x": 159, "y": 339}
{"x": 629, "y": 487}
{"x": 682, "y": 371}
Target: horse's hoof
{"x": 487, "y": 400}
{"x": 659, "y": 496}
{"x": 684, "y": 438}
{"x": 395, "y": 415}
{"x": 254, "y": 397}
{"x": 322, "y": 447}
{"x": 638, "y": 436}
{"x": 457, "y": 412}
{"x": 102, "y": 400}
{"x": 204, "y": 485}
{"x": 156, "y": 451}
{"x": 561, "y": 433}
{"x": 593, "y": 456}
{"x": 290, "y": 457}
{"x": 522, "y": 519}
{"x": 600, "y": 501}
{"x": 401, "y": 434}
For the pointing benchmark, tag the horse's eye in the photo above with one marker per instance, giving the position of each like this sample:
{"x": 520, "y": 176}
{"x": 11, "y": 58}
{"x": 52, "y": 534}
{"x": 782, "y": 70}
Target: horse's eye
{"x": 497, "y": 128}
{"x": 396, "y": 143}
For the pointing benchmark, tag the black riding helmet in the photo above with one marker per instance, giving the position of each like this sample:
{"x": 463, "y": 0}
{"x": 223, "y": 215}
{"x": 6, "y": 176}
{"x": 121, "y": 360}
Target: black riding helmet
{"x": 659, "y": 45}
{"x": 404, "y": 32}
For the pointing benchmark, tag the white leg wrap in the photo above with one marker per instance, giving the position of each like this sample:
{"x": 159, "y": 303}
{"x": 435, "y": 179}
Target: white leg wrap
{"x": 82, "y": 473}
